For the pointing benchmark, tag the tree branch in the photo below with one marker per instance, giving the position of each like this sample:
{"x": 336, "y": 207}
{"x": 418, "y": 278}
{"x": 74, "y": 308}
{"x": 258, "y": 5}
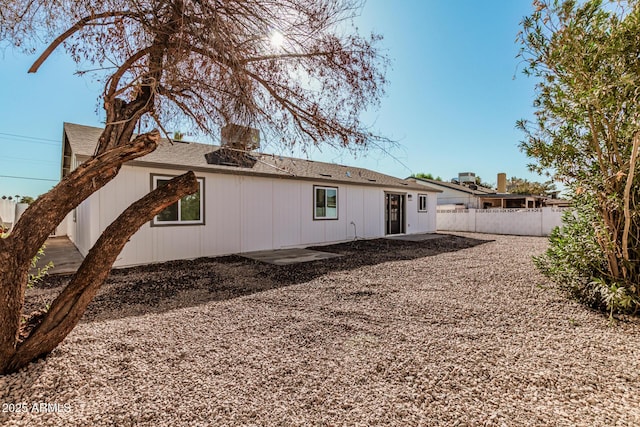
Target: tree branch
{"x": 286, "y": 56}
{"x": 115, "y": 77}
{"x": 77, "y": 26}
{"x": 37, "y": 222}
{"x": 67, "y": 309}
{"x": 627, "y": 196}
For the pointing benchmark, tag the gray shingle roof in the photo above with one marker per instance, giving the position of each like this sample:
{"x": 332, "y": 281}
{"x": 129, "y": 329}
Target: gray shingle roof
{"x": 512, "y": 196}
{"x": 480, "y": 191}
{"x": 191, "y": 156}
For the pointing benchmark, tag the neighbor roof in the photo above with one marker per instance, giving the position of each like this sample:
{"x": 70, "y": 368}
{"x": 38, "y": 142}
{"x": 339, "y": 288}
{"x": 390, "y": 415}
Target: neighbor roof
{"x": 191, "y": 156}
{"x": 512, "y": 196}
{"x": 480, "y": 191}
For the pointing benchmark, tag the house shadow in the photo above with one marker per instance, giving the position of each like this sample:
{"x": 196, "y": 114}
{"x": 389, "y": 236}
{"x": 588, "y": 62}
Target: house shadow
{"x": 157, "y": 288}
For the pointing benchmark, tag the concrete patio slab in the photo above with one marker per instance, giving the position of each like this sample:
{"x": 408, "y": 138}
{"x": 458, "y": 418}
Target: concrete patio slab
{"x": 65, "y": 256}
{"x": 416, "y": 237}
{"x": 288, "y": 256}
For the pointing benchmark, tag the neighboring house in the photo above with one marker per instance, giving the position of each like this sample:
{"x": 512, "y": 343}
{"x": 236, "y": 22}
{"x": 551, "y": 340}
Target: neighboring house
{"x": 454, "y": 195}
{"x": 511, "y": 201}
{"x": 468, "y": 195}
{"x": 246, "y": 202}
{"x": 557, "y": 203}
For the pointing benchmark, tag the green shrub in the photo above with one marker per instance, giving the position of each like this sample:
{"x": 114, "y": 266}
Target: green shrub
{"x": 575, "y": 261}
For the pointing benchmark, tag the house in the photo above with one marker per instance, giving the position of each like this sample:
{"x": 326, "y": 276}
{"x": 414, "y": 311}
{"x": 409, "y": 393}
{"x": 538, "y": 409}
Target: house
{"x": 460, "y": 194}
{"x": 246, "y": 202}
{"x": 464, "y": 193}
{"x": 511, "y": 201}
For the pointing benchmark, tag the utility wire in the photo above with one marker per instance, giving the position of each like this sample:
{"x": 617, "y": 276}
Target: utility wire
{"x": 27, "y": 177}
{"x": 29, "y": 139}
{"x": 53, "y": 162}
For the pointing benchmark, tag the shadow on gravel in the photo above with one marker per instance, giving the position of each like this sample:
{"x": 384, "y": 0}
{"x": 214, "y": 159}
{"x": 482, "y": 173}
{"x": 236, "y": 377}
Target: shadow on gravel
{"x": 175, "y": 284}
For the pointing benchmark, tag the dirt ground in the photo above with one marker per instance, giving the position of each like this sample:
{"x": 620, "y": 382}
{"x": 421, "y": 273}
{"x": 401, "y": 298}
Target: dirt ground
{"x": 458, "y": 331}
{"x": 160, "y": 287}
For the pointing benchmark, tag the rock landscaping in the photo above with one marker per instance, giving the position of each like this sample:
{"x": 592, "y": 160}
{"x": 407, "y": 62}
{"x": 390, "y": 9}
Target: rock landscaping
{"x": 460, "y": 330}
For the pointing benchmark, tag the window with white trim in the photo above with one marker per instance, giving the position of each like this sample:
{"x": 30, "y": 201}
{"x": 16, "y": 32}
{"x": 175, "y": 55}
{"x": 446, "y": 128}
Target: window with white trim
{"x": 325, "y": 202}
{"x": 422, "y": 203}
{"x": 189, "y": 210}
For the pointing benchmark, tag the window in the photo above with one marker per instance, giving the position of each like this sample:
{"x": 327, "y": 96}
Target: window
{"x": 187, "y": 211}
{"x": 422, "y": 202}
{"x": 325, "y": 202}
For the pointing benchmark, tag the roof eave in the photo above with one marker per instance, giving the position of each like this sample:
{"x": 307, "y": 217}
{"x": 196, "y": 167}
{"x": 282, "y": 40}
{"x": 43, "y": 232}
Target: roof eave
{"x": 244, "y": 171}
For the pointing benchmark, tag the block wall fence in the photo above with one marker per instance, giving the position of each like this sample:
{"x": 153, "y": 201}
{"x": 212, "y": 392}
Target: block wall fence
{"x": 521, "y": 222}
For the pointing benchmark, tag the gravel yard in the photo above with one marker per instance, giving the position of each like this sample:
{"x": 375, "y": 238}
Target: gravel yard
{"x": 460, "y": 330}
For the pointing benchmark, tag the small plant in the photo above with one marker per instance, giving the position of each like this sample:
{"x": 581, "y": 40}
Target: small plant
{"x": 33, "y": 319}
{"x": 40, "y": 272}
{"x": 615, "y": 296}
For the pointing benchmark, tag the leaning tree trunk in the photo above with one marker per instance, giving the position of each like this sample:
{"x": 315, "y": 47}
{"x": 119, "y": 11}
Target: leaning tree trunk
{"x": 67, "y": 309}
{"x": 115, "y": 147}
{"x": 37, "y": 222}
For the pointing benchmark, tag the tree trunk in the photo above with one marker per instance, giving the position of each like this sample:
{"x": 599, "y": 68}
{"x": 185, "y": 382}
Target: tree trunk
{"x": 11, "y": 276}
{"x": 70, "y": 305}
{"x": 627, "y": 202}
{"x": 37, "y": 222}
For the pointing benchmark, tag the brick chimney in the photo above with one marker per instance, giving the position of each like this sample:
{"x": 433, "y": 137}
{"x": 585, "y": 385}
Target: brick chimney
{"x": 502, "y": 182}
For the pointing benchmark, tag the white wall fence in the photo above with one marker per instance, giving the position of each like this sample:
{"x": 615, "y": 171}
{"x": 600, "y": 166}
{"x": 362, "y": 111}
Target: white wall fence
{"x": 7, "y": 212}
{"x": 521, "y": 222}
{"x": 10, "y": 213}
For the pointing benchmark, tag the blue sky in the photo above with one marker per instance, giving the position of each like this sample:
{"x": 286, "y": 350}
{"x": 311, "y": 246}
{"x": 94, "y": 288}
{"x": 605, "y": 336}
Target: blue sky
{"x": 455, "y": 93}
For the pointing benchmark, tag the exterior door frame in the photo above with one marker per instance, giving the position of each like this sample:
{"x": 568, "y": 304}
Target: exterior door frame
{"x": 390, "y": 228}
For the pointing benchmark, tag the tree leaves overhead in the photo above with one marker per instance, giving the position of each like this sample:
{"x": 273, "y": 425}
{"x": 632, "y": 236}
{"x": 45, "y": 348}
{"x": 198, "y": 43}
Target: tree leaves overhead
{"x": 586, "y": 60}
{"x": 213, "y": 61}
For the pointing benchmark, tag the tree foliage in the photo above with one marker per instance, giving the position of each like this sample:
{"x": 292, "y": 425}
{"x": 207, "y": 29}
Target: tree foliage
{"x": 517, "y": 185}
{"x": 585, "y": 57}
{"x": 166, "y": 62}
{"x": 482, "y": 184}
{"x": 27, "y": 199}
{"x": 426, "y": 176}
{"x": 214, "y": 62}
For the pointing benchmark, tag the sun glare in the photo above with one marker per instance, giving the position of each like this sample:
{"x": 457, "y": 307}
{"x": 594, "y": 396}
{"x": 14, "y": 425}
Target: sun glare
{"x": 276, "y": 39}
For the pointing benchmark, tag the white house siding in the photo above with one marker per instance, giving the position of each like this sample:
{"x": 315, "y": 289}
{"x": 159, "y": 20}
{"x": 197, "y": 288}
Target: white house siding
{"x": 373, "y": 213}
{"x": 421, "y": 221}
{"x": 222, "y": 200}
{"x": 243, "y": 214}
{"x": 353, "y": 207}
{"x": 256, "y": 214}
{"x": 454, "y": 197}
{"x": 287, "y": 219}
{"x": 86, "y": 225}
{"x": 79, "y": 226}
{"x": 63, "y": 229}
